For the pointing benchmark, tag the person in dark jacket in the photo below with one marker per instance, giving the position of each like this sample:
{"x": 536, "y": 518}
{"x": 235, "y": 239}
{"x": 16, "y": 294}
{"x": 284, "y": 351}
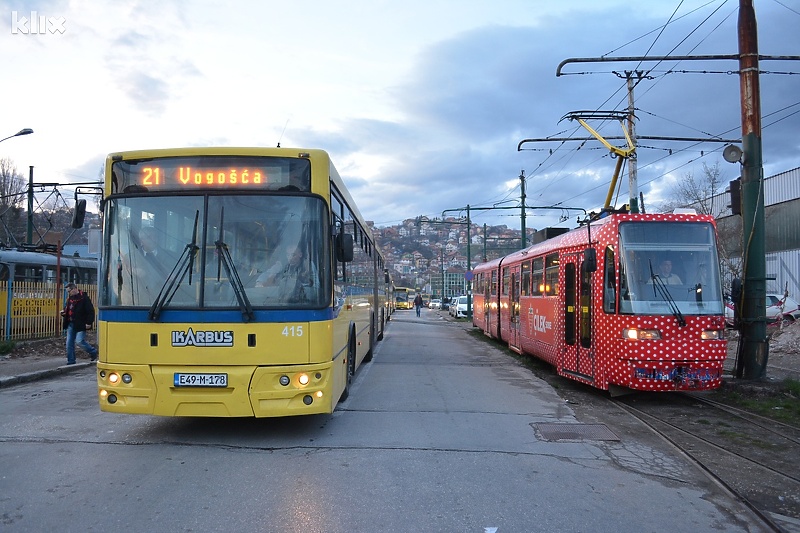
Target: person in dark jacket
{"x": 78, "y": 316}
{"x": 418, "y": 303}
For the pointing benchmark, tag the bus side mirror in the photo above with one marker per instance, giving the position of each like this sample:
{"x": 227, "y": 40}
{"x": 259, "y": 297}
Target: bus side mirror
{"x": 344, "y": 247}
{"x": 590, "y": 259}
{"x": 79, "y": 214}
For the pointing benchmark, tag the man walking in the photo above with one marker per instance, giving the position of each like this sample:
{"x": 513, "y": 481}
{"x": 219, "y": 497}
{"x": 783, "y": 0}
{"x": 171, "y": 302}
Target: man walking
{"x": 78, "y": 316}
{"x": 418, "y": 303}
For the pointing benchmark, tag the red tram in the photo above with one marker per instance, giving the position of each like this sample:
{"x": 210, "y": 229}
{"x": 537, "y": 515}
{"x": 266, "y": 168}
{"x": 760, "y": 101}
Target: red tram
{"x": 595, "y": 303}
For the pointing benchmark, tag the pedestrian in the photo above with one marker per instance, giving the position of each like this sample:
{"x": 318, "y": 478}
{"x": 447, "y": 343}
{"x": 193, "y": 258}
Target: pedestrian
{"x": 418, "y": 303}
{"x": 78, "y": 316}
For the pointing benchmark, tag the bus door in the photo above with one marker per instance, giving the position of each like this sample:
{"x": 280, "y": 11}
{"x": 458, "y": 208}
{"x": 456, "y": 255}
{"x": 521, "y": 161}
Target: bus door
{"x": 513, "y": 310}
{"x": 578, "y": 358}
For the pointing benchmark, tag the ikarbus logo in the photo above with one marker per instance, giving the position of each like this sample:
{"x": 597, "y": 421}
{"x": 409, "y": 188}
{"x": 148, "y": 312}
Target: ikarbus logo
{"x": 35, "y": 23}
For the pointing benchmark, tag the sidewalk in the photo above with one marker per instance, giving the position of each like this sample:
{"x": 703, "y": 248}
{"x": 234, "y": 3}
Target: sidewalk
{"x": 35, "y": 360}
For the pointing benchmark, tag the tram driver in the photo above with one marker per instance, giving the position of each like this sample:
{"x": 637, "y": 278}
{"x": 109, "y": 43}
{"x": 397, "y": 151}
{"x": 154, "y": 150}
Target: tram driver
{"x": 665, "y": 273}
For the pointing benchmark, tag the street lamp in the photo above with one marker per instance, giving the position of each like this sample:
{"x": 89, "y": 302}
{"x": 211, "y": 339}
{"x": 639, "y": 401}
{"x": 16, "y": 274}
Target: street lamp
{"x": 25, "y": 131}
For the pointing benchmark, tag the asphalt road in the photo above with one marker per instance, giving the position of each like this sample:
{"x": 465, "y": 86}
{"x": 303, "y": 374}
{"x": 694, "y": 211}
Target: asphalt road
{"x": 441, "y": 433}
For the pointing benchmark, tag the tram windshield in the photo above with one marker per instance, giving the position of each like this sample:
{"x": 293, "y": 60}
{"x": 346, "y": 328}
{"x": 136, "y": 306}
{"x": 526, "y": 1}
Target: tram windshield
{"x": 669, "y": 267}
{"x": 209, "y": 251}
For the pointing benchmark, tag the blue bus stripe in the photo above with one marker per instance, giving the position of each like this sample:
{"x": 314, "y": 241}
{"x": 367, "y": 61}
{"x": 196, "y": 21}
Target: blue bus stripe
{"x": 172, "y": 316}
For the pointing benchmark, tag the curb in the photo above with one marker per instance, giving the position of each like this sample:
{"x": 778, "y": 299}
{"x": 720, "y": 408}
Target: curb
{"x": 10, "y": 381}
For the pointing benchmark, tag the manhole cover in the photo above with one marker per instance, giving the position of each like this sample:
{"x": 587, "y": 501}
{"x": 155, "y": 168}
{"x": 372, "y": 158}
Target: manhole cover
{"x": 554, "y": 432}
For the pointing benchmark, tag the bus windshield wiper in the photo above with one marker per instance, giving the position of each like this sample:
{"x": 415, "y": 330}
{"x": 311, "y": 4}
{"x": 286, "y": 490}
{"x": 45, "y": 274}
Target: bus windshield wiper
{"x": 224, "y": 255}
{"x": 661, "y": 289}
{"x": 184, "y": 265}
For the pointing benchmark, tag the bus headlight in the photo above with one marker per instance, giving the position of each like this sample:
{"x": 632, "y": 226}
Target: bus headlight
{"x": 641, "y": 334}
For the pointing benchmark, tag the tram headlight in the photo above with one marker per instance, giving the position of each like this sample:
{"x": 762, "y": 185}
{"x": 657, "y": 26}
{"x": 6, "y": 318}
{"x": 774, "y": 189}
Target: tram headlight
{"x": 303, "y": 379}
{"x": 113, "y": 378}
{"x": 712, "y": 334}
{"x": 126, "y": 378}
{"x": 284, "y": 380}
{"x": 641, "y": 334}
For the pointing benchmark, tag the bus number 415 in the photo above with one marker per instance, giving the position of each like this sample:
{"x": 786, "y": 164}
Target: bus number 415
{"x": 293, "y": 331}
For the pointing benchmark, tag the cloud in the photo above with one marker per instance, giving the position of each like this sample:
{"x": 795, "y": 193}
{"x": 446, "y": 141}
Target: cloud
{"x": 470, "y": 99}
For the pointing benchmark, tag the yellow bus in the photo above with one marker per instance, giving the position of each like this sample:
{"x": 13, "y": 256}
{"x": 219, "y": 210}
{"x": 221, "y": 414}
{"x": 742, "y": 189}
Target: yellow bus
{"x": 404, "y": 298}
{"x": 234, "y": 282}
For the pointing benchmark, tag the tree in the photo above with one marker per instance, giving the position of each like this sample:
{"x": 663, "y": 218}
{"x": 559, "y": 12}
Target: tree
{"x": 707, "y": 196}
{"x": 701, "y": 194}
{"x": 12, "y": 193}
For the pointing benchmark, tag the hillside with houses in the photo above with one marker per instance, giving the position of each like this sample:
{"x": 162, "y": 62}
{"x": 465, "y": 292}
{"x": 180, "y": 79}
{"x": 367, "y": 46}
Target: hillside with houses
{"x": 431, "y": 255}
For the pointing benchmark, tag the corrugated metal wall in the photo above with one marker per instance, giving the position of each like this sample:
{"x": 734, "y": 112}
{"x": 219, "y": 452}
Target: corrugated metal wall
{"x": 782, "y": 233}
{"x": 785, "y": 268}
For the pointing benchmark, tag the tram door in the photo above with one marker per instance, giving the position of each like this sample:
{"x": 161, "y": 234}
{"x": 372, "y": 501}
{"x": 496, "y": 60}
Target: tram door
{"x": 487, "y": 308}
{"x": 513, "y": 309}
{"x": 578, "y": 356}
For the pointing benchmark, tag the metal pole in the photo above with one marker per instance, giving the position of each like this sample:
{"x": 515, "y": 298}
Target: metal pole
{"x": 469, "y": 268}
{"x": 633, "y": 185}
{"x": 485, "y": 258}
{"x": 522, "y": 207}
{"x": 755, "y": 347}
{"x": 441, "y": 268}
{"x": 30, "y": 205}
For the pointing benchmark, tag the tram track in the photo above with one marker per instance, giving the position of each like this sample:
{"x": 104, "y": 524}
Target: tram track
{"x": 753, "y": 457}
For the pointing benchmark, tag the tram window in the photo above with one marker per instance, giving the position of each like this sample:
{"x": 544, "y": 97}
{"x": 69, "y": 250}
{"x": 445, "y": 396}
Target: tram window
{"x": 526, "y": 278}
{"x": 506, "y": 276}
{"x": 586, "y": 306}
{"x": 28, "y": 273}
{"x": 609, "y": 282}
{"x": 551, "y": 274}
{"x": 570, "y": 302}
{"x": 537, "y": 277}
{"x": 494, "y": 282}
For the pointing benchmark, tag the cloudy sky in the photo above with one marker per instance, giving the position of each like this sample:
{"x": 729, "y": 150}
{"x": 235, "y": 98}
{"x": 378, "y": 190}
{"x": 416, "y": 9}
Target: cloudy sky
{"x": 420, "y": 103}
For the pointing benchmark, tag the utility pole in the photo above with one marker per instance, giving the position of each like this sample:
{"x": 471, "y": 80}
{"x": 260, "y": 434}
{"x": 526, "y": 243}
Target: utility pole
{"x": 633, "y": 186}
{"x": 30, "y": 206}
{"x": 754, "y": 346}
{"x": 522, "y": 211}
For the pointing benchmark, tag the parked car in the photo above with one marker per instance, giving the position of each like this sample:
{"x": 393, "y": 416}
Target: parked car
{"x": 791, "y": 309}
{"x": 435, "y": 304}
{"x": 729, "y": 313}
{"x": 458, "y": 307}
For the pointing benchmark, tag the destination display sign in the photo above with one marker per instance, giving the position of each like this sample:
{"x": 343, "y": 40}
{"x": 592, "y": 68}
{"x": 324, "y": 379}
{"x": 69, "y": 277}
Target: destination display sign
{"x": 212, "y": 172}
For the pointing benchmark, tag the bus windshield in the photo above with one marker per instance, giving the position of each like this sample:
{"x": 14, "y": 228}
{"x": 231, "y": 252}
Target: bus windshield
{"x": 669, "y": 267}
{"x": 215, "y": 251}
